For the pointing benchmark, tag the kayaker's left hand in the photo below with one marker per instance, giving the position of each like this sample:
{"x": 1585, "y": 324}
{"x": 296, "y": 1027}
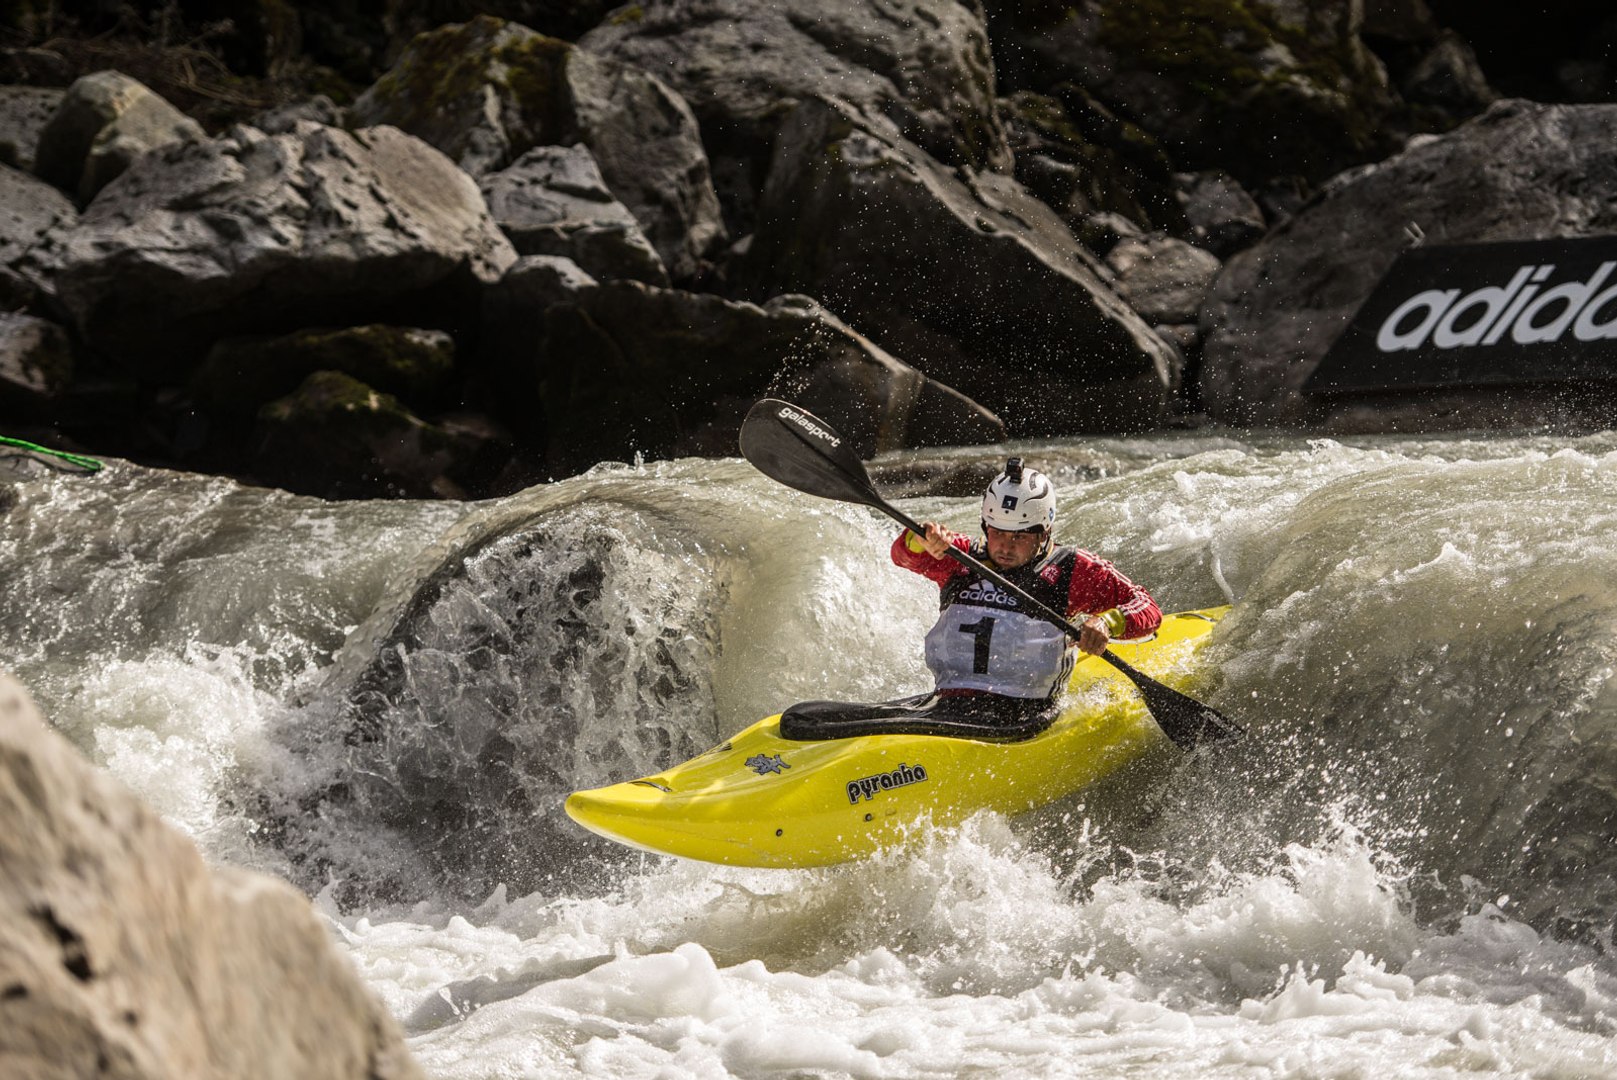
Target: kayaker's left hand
{"x": 1094, "y": 636}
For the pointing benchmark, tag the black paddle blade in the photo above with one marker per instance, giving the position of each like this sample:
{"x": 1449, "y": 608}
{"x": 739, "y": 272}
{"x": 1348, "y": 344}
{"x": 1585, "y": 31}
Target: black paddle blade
{"x": 800, "y": 450}
{"x": 1186, "y": 721}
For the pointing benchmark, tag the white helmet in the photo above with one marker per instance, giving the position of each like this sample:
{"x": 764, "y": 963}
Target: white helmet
{"x": 1019, "y": 499}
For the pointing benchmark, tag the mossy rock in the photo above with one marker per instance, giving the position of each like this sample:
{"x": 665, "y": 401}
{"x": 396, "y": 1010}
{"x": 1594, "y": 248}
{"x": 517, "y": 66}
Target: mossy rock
{"x": 437, "y": 92}
{"x": 241, "y": 374}
{"x": 335, "y": 436}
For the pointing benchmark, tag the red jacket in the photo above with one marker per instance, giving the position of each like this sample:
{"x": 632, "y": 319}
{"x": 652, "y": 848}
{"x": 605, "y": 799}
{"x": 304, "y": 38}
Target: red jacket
{"x": 1095, "y": 588}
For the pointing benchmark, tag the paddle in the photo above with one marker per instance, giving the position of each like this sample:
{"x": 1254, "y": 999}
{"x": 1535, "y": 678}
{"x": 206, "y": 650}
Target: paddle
{"x": 802, "y": 451}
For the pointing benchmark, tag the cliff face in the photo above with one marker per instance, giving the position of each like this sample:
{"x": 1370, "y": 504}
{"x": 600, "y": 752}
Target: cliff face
{"x": 1022, "y": 206}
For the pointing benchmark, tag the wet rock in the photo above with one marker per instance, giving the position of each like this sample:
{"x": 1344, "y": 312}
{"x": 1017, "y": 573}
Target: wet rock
{"x": 36, "y": 362}
{"x": 486, "y": 92}
{"x": 33, "y": 218}
{"x": 123, "y": 954}
{"x": 1521, "y": 171}
{"x": 24, "y": 112}
{"x": 922, "y": 65}
{"x": 1162, "y": 278}
{"x": 437, "y": 736}
{"x": 980, "y": 284}
{"x": 552, "y": 201}
{"x": 105, "y": 122}
{"x": 259, "y": 234}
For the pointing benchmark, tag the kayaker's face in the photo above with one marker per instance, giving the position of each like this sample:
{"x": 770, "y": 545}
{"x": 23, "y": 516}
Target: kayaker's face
{"x": 1010, "y": 550}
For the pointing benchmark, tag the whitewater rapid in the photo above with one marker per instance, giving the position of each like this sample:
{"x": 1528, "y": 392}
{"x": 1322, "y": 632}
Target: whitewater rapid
{"x": 1410, "y": 868}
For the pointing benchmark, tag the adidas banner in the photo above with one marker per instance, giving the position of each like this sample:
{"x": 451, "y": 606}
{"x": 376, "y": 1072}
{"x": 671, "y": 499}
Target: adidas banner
{"x": 1480, "y": 314}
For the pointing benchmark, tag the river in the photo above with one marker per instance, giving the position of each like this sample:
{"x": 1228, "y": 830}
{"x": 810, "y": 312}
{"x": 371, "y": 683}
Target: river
{"x": 1409, "y": 868}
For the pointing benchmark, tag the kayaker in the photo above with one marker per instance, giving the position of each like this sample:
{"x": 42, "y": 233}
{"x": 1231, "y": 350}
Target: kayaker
{"x": 983, "y": 640}
{"x": 995, "y": 664}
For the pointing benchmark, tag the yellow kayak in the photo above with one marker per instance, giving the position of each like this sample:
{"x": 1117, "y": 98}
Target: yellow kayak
{"x": 762, "y": 800}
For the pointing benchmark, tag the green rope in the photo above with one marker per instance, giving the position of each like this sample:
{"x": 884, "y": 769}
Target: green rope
{"x": 87, "y": 463}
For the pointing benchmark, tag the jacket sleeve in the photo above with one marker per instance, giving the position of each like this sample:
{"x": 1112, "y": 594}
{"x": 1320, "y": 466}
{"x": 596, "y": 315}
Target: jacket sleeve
{"x": 1099, "y": 588}
{"x": 916, "y": 559}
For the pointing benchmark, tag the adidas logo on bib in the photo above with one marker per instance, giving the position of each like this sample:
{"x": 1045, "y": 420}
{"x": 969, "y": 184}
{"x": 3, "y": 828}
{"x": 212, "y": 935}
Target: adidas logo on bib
{"x": 987, "y": 593}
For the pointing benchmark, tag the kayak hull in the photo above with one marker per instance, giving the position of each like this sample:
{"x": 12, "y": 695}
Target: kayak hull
{"x": 758, "y": 799}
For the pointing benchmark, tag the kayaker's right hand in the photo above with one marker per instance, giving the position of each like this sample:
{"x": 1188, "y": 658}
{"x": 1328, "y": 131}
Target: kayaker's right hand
{"x": 937, "y": 540}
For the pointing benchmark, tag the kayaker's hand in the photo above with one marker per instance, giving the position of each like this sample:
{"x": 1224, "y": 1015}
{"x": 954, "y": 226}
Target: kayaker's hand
{"x": 1094, "y": 636}
{"x": 937, "y": 540}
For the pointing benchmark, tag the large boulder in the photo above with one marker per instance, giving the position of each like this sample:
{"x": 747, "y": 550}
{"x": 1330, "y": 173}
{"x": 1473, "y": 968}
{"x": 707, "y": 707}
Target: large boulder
{"x": 105, "y": 123}
{"x": 975, "y": 281}
{"x": 33, "y": 218}
{"x": 1521, "y": 171}
{"x": 486, "y": 92}
{"x": 259, "y": 234}
{"x": 553, "y": 201}
{"x": 123, "y": 955}
{"x": 1260, "y": 87}
{"x": 620, "y": 368}
{"x": 922, "y": 64}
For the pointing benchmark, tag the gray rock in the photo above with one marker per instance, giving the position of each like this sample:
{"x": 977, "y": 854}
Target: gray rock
{"x": 24, "y": 112}
{"x": 104, "y": 123}
{"x": 1162, "y": 278}
{"x": 1223, "y": 217}
{"x": 258, "y": 234}
{"x": 921, "y": 64}
{"x": 980, "y": 283}
{"x": 486, "y": 92}
{"x": 1521, "y": 171}
{"x": 33, "y": 219}
{"x": 552, "y": 201}
{"x": 123, "y": 955}
{"x": 36, "y": 361}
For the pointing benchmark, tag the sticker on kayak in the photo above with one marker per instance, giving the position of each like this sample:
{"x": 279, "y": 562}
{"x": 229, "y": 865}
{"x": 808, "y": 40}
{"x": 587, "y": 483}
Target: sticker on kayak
{"x": 763, "y": 765}
{"x": 867, "y": 786}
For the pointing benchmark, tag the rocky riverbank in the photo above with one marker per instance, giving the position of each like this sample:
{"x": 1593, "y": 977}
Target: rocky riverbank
{"x": 509, "y": 241}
